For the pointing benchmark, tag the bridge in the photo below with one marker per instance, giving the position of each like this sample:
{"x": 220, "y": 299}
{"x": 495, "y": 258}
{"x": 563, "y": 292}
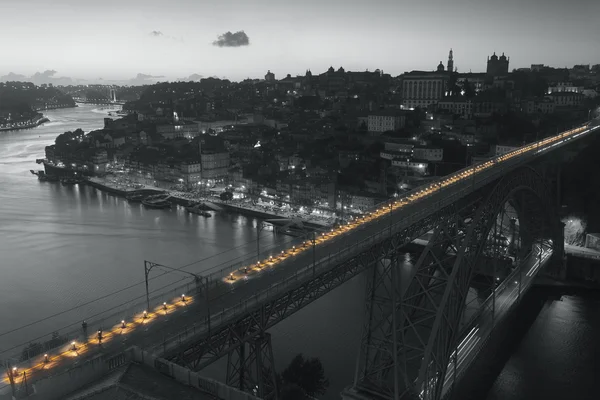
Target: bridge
{"x": 97, "y": 94}
{"x": 492, "y": 228}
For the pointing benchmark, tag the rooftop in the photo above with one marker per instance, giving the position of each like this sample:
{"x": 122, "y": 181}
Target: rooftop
{"x": 136, "y": 381}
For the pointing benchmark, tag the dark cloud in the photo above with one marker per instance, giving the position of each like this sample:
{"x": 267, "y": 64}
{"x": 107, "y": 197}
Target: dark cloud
{"x": 156, "y": 33}
{"x": 229, "y": 39}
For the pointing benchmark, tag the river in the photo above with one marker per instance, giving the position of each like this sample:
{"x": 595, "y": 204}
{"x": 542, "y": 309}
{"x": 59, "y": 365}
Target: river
{"x": 63, "y": 246}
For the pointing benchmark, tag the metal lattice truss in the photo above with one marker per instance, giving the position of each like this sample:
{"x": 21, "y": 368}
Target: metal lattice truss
{"x": 251, "y": 368}
{"x": 413, "y": 318}
{"x": 200, "y": 352}
{"x": 413, "y": 315}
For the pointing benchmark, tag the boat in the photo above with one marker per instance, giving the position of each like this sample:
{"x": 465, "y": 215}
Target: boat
{"x": 157, "y": 201}
{"x": 136, "y": 197}
{"x": 198, "y": 210}
{"x": 69, "y": 181}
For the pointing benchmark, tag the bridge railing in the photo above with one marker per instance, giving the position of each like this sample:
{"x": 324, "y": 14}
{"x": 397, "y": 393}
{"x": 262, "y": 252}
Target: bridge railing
{"x": 498, "y": 163}
{"x": 105, "y": 320}
{"x": 300, "y": 276}
{"x": 304, "y": 274}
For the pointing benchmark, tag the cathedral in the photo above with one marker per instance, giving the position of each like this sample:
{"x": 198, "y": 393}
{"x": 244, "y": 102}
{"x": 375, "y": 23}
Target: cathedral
{"x": 497, "y": 66}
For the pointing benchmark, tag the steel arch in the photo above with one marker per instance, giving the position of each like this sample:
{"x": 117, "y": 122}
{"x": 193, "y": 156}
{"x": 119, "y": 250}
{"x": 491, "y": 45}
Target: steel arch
{"x": 411, "y": 339}
{"x": 523, "y": 180}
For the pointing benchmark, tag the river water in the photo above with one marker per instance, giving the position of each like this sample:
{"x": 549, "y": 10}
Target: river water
{"x": 63, "y": 246}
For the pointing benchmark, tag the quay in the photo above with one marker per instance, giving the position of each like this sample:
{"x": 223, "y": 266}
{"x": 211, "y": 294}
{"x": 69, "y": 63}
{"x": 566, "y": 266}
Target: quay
{"x": 32, "y": 123}
{"x": 179, "y": 199}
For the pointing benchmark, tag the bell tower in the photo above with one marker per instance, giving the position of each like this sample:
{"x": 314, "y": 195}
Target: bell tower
{"x": 450, "y": 62}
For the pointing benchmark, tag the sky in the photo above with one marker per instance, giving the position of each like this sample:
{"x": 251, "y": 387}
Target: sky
{"x": 171, "y": 39}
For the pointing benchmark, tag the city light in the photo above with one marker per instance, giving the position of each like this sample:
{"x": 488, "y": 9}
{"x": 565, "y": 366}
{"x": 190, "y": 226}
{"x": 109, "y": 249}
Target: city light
{"x": 381, "y": 212}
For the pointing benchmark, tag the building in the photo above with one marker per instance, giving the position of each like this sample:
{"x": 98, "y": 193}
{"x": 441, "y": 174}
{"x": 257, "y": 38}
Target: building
{"x": 499, "y": 150}
{"x": 497, "y": 66}
{"x": 565, "y": 87}
{"x": 191, "y": 172}
{"x": 566, "y": 99}
{"x": 178, "y": 130}
{"x": 270, "y": 77}
{"x": 458, "y": 106}
{"x": 422, "y": 88}
{"x": 539, "y": 106}
{"x": 386, "y": 120}
{"x": 450, "y": 67}
{"x": 428, "y": 153}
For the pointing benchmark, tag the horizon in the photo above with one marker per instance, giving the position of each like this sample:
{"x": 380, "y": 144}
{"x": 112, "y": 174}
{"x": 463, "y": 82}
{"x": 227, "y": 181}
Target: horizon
{"x": 152, "y": 43}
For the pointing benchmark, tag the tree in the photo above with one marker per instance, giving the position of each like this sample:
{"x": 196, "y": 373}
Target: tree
{"x": 226, "y": 196}
{"x": 292, "y": 392}
{"x": 308, "y": 374}
{"x": 574, "y": 230}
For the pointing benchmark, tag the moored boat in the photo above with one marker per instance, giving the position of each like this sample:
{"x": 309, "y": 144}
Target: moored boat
{"x": 198, "y": 210}
{"x": 157, "y": 201}
{"x": 136, "y": 197}
{"x": 69, "y": 180}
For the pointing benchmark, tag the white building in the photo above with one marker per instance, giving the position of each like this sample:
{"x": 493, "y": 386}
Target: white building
{"x": 420, "y": 88}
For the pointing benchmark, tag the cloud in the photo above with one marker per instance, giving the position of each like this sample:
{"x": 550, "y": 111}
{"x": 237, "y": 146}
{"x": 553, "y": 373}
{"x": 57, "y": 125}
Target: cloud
{"x": 229, "y": 39}
{"x": 144, "y": 79}
{"x": 11, "y": 76}
{"x": 159, "y": 34}
{"x": 192, "y": 77}
{"x": 48, "y": 76}
{"x": 49, "y": 73}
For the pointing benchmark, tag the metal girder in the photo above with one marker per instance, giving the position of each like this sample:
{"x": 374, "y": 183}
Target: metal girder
{"x": 395, "y": 339}
{"x": 407, "y": 342}
{"x": 200, "y": 352}
{"x": 251, "y": 368}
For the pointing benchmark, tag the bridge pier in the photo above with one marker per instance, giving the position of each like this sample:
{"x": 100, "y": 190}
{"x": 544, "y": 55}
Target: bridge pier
{"x": 251, "y": 368}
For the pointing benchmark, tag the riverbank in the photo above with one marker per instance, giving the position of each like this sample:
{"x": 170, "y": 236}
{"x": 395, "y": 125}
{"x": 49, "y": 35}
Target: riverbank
{"x": 32, "y": 123}
{"x": 184, "y": 199}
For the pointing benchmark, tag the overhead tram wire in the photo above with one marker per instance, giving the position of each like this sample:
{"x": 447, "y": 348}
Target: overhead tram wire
{"x": 117, "y": 306}
{"x": 91, "y": 316}
{"x": 143, "y": 282}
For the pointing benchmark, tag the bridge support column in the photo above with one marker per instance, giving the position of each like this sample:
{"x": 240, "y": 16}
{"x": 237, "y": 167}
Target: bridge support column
{"x": 251, "y": 368}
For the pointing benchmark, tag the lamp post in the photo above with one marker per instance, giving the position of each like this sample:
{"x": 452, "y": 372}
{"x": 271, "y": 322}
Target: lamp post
{"x": 148, "y": 265}
{"x": 259, "y": 227}
{"x": 314, "y": 244}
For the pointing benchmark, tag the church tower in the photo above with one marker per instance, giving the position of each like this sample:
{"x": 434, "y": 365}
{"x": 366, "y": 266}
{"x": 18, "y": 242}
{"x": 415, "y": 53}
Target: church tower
{"x": 450, "y": 62}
